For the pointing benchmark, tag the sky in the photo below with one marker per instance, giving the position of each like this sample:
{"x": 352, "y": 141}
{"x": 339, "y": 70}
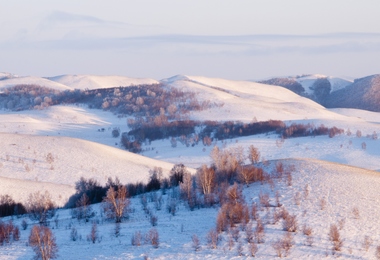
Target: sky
{"x": 237, "y": 39}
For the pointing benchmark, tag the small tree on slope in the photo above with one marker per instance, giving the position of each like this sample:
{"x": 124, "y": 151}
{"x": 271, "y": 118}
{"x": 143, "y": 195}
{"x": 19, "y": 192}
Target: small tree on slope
{"x": 116, "y": 203}
{"x": 42, "y": 241}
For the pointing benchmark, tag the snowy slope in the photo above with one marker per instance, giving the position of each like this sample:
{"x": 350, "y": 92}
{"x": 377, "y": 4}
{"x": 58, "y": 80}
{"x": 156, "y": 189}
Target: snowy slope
{"x": 308, "y": 80}
{"x": 20, "y": 189}
{"x": 97, "y": 82}
{"x": 25, "y": 157}
{"x": 343, "y": 188}
{"x": 81, "y": 144}
{"x": 244, "y": 100}
{"x": 8, "y": 82}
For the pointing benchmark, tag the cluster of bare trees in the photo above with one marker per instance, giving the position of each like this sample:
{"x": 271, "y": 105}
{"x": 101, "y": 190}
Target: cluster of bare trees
{"x": 8, "y": 207}
{"x": 41, "y": 207}
{"x": 300, "y": 130}
{"x": 8, "y": 233}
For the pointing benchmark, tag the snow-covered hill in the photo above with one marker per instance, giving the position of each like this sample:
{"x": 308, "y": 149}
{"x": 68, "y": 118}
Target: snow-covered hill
{"x": 7, "y": 82}
{"x": 362, "y": 94}
{"x": 316, "y": 87}
{"x": 244, "y": 100}
{"x": 26, "y": 158}
{"x": 98, "y": 82}
{"x": 337, "y": 194}
{"x": 51, "y": 149}
{"x": 69, "y": 82}
{"x": 307, "y": 81}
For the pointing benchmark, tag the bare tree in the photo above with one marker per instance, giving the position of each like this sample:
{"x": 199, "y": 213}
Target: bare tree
{"x": 206, "y": 179}
{"x": 196, "y": 242}
{"x": 187, "y": 190}
{"x": 83, "y": 208}
{"x": 116, "y": 203}
{"x": 42, "y": 241}
{"x": 177, "y": 173}
{"x": 377, "y": 253}
{"x": 249, "y": 174}
{"x": 212, "y": 238}
{"x": 259, "y": 232}
{"x": 290, "y": 223}
{"x": 367, "y": 243}
{"x": 153, "y": 237}
{"x": 40, "y": 207}
{"x": 93, "y": 236}
{"x": 253, "y": 154}
{"x": 283, "y": 246}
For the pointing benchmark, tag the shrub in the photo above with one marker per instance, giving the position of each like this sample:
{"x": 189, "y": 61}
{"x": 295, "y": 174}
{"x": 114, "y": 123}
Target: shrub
{"x": 308, "y": 232}
{"x": 212, "y": 239}
{"x": 196, "y": 242}
{"x": 74, "y": 234}
{"x": 323, "y": 203}
{"x": 153, "y": 237}
{"x": 297, "y": 198}
{"x": 116, "y": 132}
{"x": 137, "y": 239}
{"x": 233, "y": 211}
{"x": 153, "y": 220}
{"x": 377, "y": 253}
{"x": 264, "y": 199}
{"x": 221, "y": 221}
{"x": 16, "y": 234}
{"x": 253, "y": 249}
{"x": 8, "y": 232}
{"x": 254, "y": 211}
{"x": 290, "y": 223}
{"x": 249, "y": 174}
{"x": 93, "y": 236}
{"x": 83, "y": 209}
{"x": 335, "y": 238}
{"x": 283, "y": 246}
{"x": 24, "y": 224}
{"x": 356, "y": 212}
{"x": 367, "y": 243}
{"x": 260, "y": 232}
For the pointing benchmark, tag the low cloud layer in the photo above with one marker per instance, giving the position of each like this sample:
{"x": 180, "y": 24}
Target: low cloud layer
{"x": 89, "y": 39}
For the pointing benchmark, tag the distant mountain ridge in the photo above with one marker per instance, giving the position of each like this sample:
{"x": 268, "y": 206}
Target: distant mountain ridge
{"x": 328, "y": 91}
{"x": 333, "y": 92}
{"x": 364, "y": 93}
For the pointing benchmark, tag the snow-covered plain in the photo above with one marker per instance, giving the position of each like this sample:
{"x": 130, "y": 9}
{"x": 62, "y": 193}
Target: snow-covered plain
{"x": 81, "y": 143}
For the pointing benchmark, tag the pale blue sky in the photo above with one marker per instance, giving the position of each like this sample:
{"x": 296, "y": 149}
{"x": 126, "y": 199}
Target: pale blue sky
{"x": 232, "y": 39}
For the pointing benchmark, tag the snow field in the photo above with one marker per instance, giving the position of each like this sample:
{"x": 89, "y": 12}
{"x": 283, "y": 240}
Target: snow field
{"x": 343, "y": 188}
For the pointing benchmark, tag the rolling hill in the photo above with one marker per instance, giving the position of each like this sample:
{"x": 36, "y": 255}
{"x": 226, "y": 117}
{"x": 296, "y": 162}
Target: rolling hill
{"x": 51, "y": 148}
{"x": 98, "y": 82}
{"x": 337, "y": 194}
{"x": 364, "y": 93}
{"x": 244, "y": 100}
{"x": 25, "y": 158}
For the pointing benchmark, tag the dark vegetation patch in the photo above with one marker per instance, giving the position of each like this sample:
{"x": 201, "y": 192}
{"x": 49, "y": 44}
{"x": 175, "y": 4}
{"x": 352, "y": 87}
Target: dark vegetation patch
{"x": 191, "y": 133}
